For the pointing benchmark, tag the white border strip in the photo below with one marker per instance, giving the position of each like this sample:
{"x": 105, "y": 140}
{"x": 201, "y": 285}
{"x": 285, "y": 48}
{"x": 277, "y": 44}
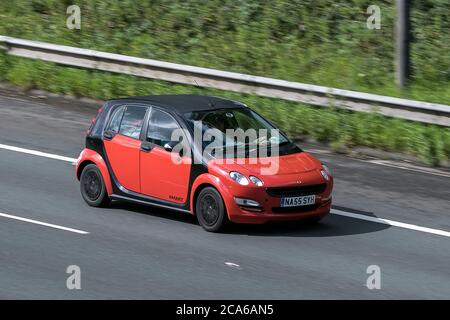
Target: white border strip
{"x": 391, "y": 223}
{"x": 38, "y": 153}
{"x": 55, "y": 226}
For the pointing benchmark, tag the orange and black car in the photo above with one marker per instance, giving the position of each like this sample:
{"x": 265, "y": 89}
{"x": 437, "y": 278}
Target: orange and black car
{"x": 131, "y": 154}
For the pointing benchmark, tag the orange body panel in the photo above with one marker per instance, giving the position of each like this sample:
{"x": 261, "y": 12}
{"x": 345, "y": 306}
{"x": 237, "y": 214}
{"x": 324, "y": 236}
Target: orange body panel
{"x": 212, "y": 180}
{"x": 163, "y": 177}
{"x": 123, "y": 156}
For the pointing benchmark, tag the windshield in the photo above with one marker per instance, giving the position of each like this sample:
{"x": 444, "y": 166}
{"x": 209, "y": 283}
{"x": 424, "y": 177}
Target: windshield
{"x": 241, "y": 127}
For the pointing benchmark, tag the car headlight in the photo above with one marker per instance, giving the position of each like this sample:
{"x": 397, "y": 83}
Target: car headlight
{"x": 325, "y": 172}
{"x": 256, "y": 181}
{"x": 325, "y": 175}
{"x": 239, "y": 178}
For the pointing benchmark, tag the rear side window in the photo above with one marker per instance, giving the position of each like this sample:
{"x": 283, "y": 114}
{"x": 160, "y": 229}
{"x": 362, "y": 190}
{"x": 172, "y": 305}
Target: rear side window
{"x": 132, "y": 120}
{"x": 116, "y": 119}
{"x": 160, "y": 127}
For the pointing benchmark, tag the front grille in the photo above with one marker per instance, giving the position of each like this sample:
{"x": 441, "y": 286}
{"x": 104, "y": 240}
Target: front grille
{"x": 298, "y": 209}
{"x": 296, "y": 191}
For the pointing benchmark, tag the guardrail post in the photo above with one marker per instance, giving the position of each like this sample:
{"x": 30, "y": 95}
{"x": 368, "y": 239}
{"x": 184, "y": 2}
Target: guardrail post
{"x": 402, "y": 43}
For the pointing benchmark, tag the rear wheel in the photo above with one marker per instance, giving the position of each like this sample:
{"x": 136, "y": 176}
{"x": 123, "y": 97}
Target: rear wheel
{"x": 210, "y": 210}
{"x": 93, "y": 188}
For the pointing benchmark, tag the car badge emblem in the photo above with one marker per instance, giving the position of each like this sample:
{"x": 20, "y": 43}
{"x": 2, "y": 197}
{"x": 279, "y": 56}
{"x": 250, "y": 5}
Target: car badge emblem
{"x": 299, "y": 181}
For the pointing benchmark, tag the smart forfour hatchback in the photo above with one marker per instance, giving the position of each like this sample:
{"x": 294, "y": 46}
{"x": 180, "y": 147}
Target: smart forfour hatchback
{"x": 196, "y": 154}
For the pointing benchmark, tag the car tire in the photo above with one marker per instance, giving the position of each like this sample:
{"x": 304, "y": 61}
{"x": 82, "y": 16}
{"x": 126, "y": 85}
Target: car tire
{"x": 210, "y": 210}
{"x": 92, "y": 187}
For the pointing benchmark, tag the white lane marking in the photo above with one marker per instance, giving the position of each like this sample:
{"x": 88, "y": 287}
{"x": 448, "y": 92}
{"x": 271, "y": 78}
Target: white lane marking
{"x": 391, "y": 223}
{"x": 38, "y": 153}
{"x": 233, "y": 265}
{"x": 410, "y": 168}
{"x": 379, "y": 162}
{"x": 334, "y": 211}
{"x": 55, "y": 226}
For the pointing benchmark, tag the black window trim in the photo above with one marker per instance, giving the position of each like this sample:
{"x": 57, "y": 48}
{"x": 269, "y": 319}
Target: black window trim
{"x": 111, "y": 117}
{"x": 126, "y": 105}
{"x": 150, "y": 108}
{"x": 145, "y": 127}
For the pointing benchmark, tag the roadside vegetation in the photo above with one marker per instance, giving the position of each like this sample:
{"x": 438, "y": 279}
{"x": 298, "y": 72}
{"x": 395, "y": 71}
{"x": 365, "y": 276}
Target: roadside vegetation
{"x": 340, "y": 128}
{"x": 322, "y": 42}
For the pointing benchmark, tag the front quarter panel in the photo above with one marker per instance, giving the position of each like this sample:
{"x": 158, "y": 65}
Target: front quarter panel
{"x": 212, "y": 180}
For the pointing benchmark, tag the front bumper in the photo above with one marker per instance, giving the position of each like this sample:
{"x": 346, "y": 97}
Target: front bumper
{"x": 270, "y": 207}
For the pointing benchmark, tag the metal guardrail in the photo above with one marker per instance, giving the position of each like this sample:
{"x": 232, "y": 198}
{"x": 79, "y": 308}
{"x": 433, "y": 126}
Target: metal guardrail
{"x": 268, "y": 87}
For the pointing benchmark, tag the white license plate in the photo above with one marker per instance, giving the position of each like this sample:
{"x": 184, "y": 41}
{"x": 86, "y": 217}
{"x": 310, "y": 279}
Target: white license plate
{"x": 298, "y": 201}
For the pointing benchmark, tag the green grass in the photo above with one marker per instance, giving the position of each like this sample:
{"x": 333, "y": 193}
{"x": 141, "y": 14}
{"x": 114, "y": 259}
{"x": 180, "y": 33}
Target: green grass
{"x": 324, "y": 42}
{"x": 338, "y": 127}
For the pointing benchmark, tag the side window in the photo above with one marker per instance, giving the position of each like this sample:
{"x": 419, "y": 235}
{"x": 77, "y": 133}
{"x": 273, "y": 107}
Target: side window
{"x": 160, "y": 127}
{"x": 132, "y": 121}
{"x": 116, "y": 119}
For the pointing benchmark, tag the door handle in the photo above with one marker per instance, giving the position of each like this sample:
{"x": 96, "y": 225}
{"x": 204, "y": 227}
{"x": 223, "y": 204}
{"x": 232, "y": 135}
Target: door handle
{"x": 146, "y": 146}
{"x": 108, "y": 135}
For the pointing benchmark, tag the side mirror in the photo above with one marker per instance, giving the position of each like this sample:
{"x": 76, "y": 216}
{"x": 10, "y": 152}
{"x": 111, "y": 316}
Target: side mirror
{"x": 170, "y": 145}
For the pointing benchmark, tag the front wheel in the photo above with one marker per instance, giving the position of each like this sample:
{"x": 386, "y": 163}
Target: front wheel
{"x": 210, "y": 210}
{"x": 93, "y": 188}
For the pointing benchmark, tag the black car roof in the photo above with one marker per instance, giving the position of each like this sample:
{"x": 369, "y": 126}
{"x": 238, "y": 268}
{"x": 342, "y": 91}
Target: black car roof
{"x": 182, "y": 103}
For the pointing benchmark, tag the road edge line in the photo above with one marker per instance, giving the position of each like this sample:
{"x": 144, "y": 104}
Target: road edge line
{"x": 37, "y": 153}
{"x": 391, "y": 223}
{"x": 50, "y": 225}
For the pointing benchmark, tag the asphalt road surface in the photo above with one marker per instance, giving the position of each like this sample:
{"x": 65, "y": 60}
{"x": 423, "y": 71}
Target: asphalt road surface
{"x": 130, "y": 251}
